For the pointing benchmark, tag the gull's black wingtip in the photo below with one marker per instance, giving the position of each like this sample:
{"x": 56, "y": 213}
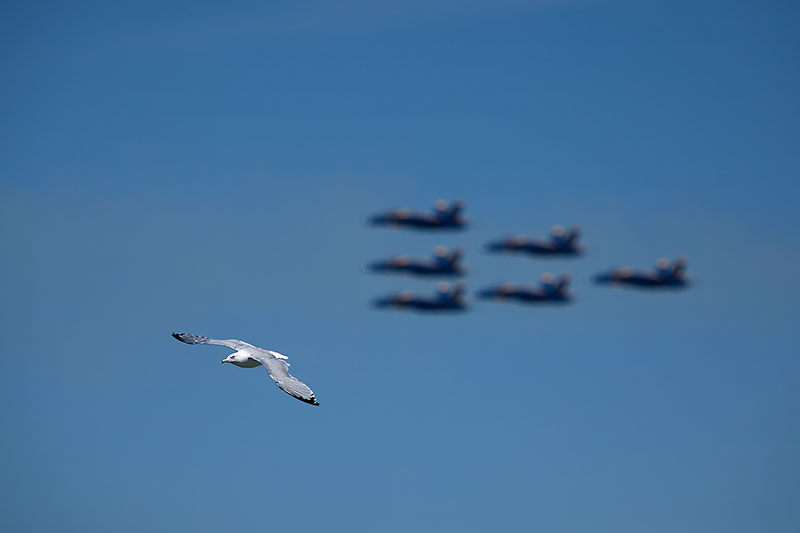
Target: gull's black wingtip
{"x": 309, "y": 401}
{"x": 181, "y": 337}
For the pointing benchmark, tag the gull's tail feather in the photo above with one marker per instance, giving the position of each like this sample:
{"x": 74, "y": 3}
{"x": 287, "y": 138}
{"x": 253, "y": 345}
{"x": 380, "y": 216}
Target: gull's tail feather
{"x": 190, "y": 338}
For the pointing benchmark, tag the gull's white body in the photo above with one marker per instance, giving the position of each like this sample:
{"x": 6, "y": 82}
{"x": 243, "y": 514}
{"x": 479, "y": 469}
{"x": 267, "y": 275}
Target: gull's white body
{"x": 249, "y": 356}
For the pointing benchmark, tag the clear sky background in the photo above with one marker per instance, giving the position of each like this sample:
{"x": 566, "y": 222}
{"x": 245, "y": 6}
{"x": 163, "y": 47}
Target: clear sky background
{"x": 204, "y": 167}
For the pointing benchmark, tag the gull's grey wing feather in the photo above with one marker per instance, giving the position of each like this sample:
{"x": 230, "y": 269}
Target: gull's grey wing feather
{"x": 278, "y": 370}
{"x": 190, "y": 338}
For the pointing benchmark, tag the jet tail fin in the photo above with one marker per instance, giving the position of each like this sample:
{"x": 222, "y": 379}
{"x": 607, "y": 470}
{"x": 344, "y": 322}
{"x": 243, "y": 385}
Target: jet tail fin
{"x": 458, "y": 292}
{"x": 679, "y": 267}
{"x": 572, "y": 235}
{"x": 562, "y": 282}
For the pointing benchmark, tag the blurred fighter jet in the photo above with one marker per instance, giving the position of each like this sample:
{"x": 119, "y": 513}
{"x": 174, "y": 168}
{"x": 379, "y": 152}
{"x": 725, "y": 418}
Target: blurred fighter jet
{"x": 445, "y": 299}
{"x": 441, "y": 264}
{"x": 550, "y": 289}
{"x": 664, "y": 275}
{"x": 559, "y": 242}
{"x": 444, "y": 216}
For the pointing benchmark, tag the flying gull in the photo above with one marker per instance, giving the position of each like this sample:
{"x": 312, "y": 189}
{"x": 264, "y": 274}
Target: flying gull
{"x": 249, "y": 356}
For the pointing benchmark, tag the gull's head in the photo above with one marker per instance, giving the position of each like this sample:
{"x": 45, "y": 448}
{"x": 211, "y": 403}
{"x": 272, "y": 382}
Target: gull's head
{"x": 233, "y": 358}
{"x": 241, "y": 359}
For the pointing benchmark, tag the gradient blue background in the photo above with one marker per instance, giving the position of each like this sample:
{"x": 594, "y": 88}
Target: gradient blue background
{"x": 204, "y": 167}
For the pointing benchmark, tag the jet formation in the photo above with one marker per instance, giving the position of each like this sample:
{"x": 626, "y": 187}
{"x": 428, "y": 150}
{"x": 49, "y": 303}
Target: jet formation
{"x": 560, "y": 243}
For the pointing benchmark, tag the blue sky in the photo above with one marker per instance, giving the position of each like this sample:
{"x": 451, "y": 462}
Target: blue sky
{"x": 205, "y": 167}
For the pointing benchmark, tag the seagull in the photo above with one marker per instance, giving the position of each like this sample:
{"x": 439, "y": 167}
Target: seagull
{"x": 249, "y": 356}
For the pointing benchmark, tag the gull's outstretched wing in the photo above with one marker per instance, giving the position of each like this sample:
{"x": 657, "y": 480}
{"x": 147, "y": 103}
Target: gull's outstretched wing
{"x": 233, "y": 344}
{"x": 278, "y": 370}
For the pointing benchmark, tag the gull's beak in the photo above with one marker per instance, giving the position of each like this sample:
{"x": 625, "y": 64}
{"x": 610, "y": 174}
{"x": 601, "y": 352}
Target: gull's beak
{"x": 222, "y": 361}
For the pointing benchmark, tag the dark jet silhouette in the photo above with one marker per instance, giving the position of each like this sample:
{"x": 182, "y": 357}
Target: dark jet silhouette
{"x": 445, "y": 299}
{"x": 441, "y": 264}
{"x": 550, "y": 289}
{"x": 664, "y": 275}
{"x": 444, "y": 216}
{"x": 559, "y": 242}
